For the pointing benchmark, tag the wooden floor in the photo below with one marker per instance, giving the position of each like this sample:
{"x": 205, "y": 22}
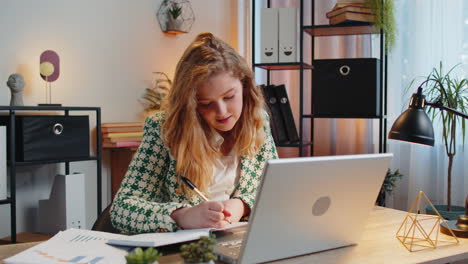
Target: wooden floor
{"x": 25, "y": 237}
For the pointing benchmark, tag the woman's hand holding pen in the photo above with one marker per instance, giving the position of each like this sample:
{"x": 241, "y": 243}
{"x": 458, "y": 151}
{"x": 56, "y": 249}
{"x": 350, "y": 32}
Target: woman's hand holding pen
{"x": 207, "y": 214}
{"x": 235, "y": 208}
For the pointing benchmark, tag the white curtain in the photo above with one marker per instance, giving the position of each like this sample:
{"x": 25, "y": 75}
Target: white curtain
{"x": 429, "y": 31}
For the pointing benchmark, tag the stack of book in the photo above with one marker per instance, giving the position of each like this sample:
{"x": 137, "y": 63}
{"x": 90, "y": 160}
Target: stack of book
{"x": 350, "y": 13}
{"x": 121, "y": 134}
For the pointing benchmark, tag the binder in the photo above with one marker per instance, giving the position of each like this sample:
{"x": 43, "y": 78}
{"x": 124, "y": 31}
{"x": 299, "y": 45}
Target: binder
{"x": 269, "y": 35}
{"x": 288, "y": 35}
{"x": 3, "y": 163}
{"x": 286, "y": 112}
{"x": 276, "y": 119}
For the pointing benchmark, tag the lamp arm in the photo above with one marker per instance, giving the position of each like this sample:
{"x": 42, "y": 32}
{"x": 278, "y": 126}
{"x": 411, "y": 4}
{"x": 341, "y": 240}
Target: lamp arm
{"x": 439, "y": 105}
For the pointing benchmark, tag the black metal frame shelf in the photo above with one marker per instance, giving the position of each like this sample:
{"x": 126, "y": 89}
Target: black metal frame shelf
{"x": 39, "y": 162}
{"x": 344, "y": 117}
{"x": 283, "y": 66}
{"x": 296, "y": 144}
{"x": 12, "y": 163}
{"x": 358, "y": 28}
{"x": 340, "y": 30}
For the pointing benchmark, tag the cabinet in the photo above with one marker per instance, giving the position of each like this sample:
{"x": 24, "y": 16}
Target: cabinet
{"x": 13, "y": 162}
{"x": 305, "y": 68}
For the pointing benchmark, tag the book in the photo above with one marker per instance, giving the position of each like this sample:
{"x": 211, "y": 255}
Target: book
{"x": 121, "y": 139}
{"x": 123, "y": 134}
{"x": 349, "y": 8}
{"x": 286, "y": 113}
{"x": 348, "y": 17}
{"x": 122, "y": 127}
{"x": 3, "y": 163}
{"x": 276, "y": 119}
{"x": 124, "y": 144}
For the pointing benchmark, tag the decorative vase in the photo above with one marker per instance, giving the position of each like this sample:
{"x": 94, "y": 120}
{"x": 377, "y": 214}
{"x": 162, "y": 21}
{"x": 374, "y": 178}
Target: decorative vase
{"x": 449, "y": 215}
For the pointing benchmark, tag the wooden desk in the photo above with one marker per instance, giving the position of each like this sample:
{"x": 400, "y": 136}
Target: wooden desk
{"x": 378, "y": 245}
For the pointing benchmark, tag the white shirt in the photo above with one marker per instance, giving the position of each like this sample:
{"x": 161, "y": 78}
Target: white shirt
{"x": 226, "y": 172}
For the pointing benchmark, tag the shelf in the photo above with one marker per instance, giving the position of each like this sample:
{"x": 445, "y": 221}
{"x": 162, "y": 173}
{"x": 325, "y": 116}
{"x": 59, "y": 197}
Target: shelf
{"x": 339, "y": 30}
{"x": 48, "y": 108}
{"x": 346, "y": 117}
{"x": 293, "y": 144}
{"x": 283, "y": 66}
{"x": 38, "y": 162}
{"x": 5, "y": 201}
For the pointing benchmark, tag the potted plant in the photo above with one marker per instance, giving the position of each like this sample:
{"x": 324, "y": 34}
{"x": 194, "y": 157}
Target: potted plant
{"x": 174, "y": 12}
{"x": 388, "y": 185}
{"x": 384, "y": 19}
{"x": 139, "y": 256}
{"x": 154, "y": 96}
{"x": 201, "y": 251}
{"x": 450, "y": 92}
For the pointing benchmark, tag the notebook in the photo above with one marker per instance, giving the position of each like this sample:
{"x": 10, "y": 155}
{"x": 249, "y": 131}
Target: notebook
{"x": 307, "y": 205}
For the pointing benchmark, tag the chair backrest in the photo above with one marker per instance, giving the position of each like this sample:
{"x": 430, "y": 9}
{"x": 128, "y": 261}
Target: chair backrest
{"x": 103, "y": 222}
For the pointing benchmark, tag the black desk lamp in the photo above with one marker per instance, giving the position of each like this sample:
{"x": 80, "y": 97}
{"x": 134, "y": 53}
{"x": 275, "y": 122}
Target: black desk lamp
{"x": 414, "y": 126}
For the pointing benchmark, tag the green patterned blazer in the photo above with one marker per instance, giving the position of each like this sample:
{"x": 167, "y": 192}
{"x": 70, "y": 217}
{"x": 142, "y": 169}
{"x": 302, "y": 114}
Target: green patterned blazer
{"x": 147, "y": 195}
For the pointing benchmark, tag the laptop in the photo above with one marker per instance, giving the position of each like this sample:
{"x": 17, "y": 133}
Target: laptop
{"x": 307, "y": 205}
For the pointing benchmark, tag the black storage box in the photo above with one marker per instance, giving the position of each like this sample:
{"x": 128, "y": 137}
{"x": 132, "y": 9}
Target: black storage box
{"x": 50, "y": 137}
{"x": 346, "y": 88}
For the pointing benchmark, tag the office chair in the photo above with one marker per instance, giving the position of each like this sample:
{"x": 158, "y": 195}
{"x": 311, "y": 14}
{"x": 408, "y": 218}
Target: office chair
{"x": 103, "y": 222}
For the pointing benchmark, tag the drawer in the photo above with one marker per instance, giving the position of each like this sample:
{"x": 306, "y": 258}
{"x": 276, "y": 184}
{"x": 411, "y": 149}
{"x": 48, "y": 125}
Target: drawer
{"x": 51, "y": 137}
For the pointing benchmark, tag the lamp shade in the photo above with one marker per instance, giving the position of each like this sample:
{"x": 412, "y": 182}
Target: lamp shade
{"x": 414, "y": 125}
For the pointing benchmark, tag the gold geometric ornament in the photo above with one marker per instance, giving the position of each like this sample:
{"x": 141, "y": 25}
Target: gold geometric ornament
{"x": 421, "y": 231}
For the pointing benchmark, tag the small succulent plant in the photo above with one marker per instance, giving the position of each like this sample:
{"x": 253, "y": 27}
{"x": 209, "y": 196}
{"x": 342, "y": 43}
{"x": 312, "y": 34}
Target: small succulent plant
{"x": 140, "y": 256}
{"x": 175, "y": 10}
{"x": 200, "y": 251}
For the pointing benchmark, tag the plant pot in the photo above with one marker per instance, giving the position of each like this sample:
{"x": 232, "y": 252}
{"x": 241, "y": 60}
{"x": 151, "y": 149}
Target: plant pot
{"x": 449, "y": 215}
{"x": 174, "y": 24}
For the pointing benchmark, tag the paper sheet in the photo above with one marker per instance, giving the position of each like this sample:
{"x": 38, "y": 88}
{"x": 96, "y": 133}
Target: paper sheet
{"x": 80, "y": 246}
{"x": 75, "y": 246}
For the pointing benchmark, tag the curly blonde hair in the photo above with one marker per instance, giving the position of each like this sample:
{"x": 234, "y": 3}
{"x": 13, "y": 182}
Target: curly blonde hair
{"x": 185, "y": 132}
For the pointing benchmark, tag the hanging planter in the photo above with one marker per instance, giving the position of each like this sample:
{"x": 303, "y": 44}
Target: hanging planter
{"x": 175, "y": 16}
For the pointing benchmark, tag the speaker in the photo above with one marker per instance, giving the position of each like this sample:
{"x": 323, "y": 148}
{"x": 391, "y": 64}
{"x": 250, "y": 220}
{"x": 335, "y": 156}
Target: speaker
{"x": 346, "y": 88}
{"x": 66, "y": 206}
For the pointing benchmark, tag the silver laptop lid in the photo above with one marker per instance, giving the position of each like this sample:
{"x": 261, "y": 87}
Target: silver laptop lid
{"x": 306, "y": 205}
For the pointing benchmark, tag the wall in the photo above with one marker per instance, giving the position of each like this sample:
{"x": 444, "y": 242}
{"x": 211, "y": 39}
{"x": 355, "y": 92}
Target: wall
{"x": 108, "y": 49}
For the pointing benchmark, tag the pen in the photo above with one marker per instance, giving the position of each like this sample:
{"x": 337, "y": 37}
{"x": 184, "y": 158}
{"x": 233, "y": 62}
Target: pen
{"x": 195, "y": 189}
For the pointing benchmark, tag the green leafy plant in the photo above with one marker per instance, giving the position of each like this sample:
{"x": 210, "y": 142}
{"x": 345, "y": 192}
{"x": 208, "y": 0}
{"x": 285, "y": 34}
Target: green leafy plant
{"x": 453, "y": 93}
{"x": 175, "y": 10}
{"x": 384, "y": 19}
{"x": 200, "y": 251}
{"x": 388, "y": 185}
{"x": 154, "y": 96}
{"x": 139, "y": 256}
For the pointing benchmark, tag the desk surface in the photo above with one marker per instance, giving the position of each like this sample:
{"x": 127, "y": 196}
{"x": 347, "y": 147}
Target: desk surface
{"x": 378, "y": 245}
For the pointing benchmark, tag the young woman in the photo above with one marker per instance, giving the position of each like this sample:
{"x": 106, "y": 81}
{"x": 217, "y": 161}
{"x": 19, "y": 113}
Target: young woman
{"x": 213, "y": 131}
